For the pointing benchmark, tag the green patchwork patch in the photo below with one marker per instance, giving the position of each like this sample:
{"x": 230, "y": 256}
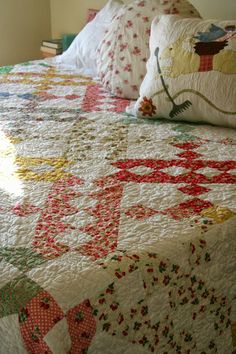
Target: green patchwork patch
{"x": 22, "y": 258}
{"x": 6, "y": 69}
{"x": 133, "y": 120}
{"x": 183, "y": 128}
{"x": 16, "y": 294}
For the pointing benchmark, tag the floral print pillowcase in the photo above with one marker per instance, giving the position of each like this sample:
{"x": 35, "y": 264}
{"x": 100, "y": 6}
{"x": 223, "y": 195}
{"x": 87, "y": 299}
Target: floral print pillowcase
{"x": 124, "y": 51}
{"x": 191, "y": 72}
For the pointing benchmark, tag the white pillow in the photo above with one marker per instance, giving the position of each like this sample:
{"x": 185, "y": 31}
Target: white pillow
{"x": 191, "y": 72}
{"x": 82, "y": 52}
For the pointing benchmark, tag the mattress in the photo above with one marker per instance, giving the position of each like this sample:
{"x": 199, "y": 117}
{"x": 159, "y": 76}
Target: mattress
{"x": 117, "y": 235}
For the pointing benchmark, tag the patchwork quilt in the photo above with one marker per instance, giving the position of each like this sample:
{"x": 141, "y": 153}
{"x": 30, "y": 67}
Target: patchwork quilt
{"x": 117, "y": 235}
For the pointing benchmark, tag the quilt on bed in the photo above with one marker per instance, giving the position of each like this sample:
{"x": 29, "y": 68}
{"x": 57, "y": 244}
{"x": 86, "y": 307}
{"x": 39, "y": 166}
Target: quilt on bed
{"x": 117, "y": 235}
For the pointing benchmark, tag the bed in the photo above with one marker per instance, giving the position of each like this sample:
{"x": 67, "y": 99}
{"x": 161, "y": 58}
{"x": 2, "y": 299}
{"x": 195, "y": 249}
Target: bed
{"x": 117, "y": 233}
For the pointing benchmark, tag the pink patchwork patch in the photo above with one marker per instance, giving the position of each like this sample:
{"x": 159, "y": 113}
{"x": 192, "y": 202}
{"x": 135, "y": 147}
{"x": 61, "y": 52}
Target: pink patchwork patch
{"x": 95, "y": 97}
{"x": 140, "y": 212}
{"x": 36, "y": 319}
{"x": 82, "y": 327}
{"x": 187, "y": 209}
{"x": 104, "y": 231}
{"x": 25, "y": 209}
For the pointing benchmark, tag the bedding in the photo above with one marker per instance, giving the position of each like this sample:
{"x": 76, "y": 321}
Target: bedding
{"x": 191, "y": 73}
{"x": 124, "y": 50}
{"x": 82, "y": 53}
{"x": 117, "y": 234}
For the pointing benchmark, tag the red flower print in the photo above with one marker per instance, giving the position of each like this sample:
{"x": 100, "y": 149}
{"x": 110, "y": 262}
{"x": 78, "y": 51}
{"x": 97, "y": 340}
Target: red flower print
{"x": 57, "y": 319}
{"x": 119, "y": 274}
{"x": 166, "y": 280}
{"x": 147, "y": 107}
{"x": 136, "y": 51}
{"x": 114, "y": 306}
{"x": 79, "y": 316}
{"x": 141, "y": 4}
{"x": 137, "y": 326}
{"x": 128, "y": 68}
{"x": 110, "y": 289}
{"x": 150, "y": 270}
{"x": 45, "y": 303}
{"x": 165, "y": 331}
{"x": 35, "y": 334}
{"x": 144, "y": 310}
{"x": 119, "y": 91}
{"x": 101, "y": 301}
{"x": 145, "y": 19}
{"x": 129, "y": 24}
{"x": 193, "y": 248}
{"x": 134, "y": 88}
{"x": 162, "y": 267}
{"x": 120, "y": 319}
{"x": 132, "y": 268}
{"x": 175, "y": 11}
{"x": 23, "y": 315}
{"x": 123, "y": 46}
{"x": 106, "y": 327}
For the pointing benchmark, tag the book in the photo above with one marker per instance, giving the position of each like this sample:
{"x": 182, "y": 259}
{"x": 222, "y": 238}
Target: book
{"x": 52, "y": 43}
{"x": 54, "y": 51}
{"x": 47, "y": 55}
{"x": 67, "y": 39}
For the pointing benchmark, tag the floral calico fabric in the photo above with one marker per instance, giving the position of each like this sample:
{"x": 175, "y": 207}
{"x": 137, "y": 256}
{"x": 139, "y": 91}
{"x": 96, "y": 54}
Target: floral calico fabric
{"x": 124, "y": 51}
{"x": 115, "y": 232}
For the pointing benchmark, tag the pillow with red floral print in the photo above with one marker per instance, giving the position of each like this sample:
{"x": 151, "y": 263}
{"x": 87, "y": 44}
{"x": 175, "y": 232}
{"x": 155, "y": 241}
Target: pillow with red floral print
{"x": 124, "y": 50}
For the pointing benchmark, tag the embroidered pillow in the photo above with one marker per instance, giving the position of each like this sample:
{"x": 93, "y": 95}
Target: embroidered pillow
{"x": 124, "y": 51}
{"x": 82, "y": 53}
{"x": 191, "y": 73}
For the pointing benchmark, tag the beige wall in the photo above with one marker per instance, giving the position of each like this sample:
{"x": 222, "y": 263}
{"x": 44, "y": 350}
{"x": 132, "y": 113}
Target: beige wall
{"x": 220, "y": 9}
{"x": 70, "y": 15}
{"x": 23, "y": 25}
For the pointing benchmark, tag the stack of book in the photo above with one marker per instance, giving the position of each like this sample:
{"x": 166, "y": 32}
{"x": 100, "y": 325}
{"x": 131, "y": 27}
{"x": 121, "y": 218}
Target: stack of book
{"x": 51, "y": 47}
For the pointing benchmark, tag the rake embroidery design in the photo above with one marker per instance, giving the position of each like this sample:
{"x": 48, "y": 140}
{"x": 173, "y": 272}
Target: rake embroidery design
{"x": 177, "y": 108}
